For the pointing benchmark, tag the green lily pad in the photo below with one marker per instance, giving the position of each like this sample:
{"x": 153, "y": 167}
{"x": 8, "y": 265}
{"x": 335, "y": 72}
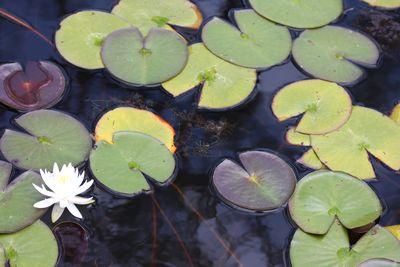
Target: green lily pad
{"x": 264, "y": 183}
{"x": 224, "y": 85}
{"x": 395, "y": 115}
{"x": 333, "y": 248}
{"x": 296, "y": 138}
{"x": 326, "y": 106}
{"x": 335, "y": 54}
{"x": 256, "y": 43}
{"x": 34, "y": 246}
{"x": 130, "y": 57}
{"x": 134, "y": 120}
{"x": 387, "y": 4}
{"x": 395, "y": 230}
{"x": 17, "y": 199}
{"x": 322, "y": 196}
{"x": 367, "y": 131}
{"x": 379, "y": 263}
{"x": 299, "y": 13}
{"x": 52, "y": 137}
{"x": 121, "y": 166}
{"x": 155, "y": 13}
{"x": 311, "y": 160}
{"x": 81, "y": 35}
{"x": 3, "y": 259}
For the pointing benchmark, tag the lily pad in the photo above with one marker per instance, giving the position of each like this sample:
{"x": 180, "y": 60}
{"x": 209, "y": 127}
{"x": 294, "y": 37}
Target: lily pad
{"x": 52, "y": 136}
{"x": 264, "y": 183}
{"x": 256, "y": 43}
{"x": 81, "y": 35}
{"x": 121, "y": 166}
{"x": 311, "y": 160}
{"x": 326, "y": 106}
{"x": 34, "y": 246}
{"x": 333, "y": 248}
{"x": 335, "y": 54}
{"x": 387, "y": 4}
{"x": 395, "y": 230}
{"x": 296, "y": 138}
{"x": 379, "y": 263}
{"x": 322, "y": 196}
{"x": 299, "y": 13}
{"x": 224, "y": 85}
{"x": 134, "y": 120}
{"x": 367, "y": 131}
{"x": 40, "y": 85}
{"x": 130, "y": 57}
{"x": 395, "y": 115}
{"x": 155, "y": 13}
{"x": 17, "y": 199}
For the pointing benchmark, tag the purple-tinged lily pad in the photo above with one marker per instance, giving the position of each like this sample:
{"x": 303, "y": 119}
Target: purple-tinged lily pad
{"x": 264, "y": 183}
{"x": 40, "y": 85}
{"x": 379, "y": 263}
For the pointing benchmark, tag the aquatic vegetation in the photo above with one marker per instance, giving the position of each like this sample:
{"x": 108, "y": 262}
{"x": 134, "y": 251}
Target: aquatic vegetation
{"x": 389, "y": 4}
{"x": 17, "y": 199}
{"x": 264, "y": 182}
{"x": 81, "y": 36}
{"x": 311, "y": 160}
{"x": 395, "y": 115}
{"x": 52, "y": 136}
{"x": 333, "y": 248}
{"x": 223, "y": 85}
{"x": 335, "y": 54}
{"x": 326, "y": 106}
{"x": 297, "y": 139}
{"x": 255, "y": 43}
{"x": 159, "y": 14}
{"x": 379, "y": 263}
{"x": 139, "y": 60}
{"x": 120, "y": 166}
{"x": 40, "y": 85}
{"x": 323, "y": 196}
{"x": 64, "y": 186}
{"x": 299, "y": 13}
{"x": 33, "y": 246}
{"x": 394, "y": 229}
{"x": 128, "y": 119}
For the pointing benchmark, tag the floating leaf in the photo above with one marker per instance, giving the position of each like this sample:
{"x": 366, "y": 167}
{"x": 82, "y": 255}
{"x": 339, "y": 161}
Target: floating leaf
{"x": 333, "y": 248}
{"x": 296, "y": 138}
{"x": 130, "y": 57}
{"x": 299, "y": 13}
{"x": 367, "y": 131}
{"x": 326, "y": 106}
{"x": 52, "y": 136}
{"x": 256, "y": 43}
{"x": 134, "y": 120}
{"x": 158, "y": 13}
{"x": 121, "y": 166}
{"x": 379, "y": 263}
{"x": 388, "y": 4}
{"x": 395, "y": 115}
{"x": 40, "y": 85}
{"x": 395, "y": 230}
{"x": 265, "y": 182}
{"x": 334, "y": 53}
{"x": 311, "y": 160}
{"x": 322, "y": 196}
{"x": 3, "y": 259}
{"x": 17, "y": 199}
{"x": 81, "y": 35}
{"x": 225, "y": 85}
{"x": 34, "y": 246}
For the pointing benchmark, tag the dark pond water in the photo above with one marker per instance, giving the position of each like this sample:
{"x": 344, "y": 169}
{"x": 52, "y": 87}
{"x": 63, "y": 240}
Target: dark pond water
{"x": 120, "y": 230}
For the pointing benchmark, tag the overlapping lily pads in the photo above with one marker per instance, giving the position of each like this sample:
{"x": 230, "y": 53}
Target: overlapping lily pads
{"x": 322, "y": 196}
{"x": 81, "y": 35}
{"x": 34, "y": 246}
{"x": 326, "y": 106}
{"x": 311, "y": 160}
{"x": 135, "y": 120}
{"x": 40, "y": 85}
{"x": 299, "y": 13}
{"x": 264, "y": 182}
{"x": 256, "y": 43}
{"x": 155, "y": 13}
{"x": 366, "y": 131}
{"x": 333, "y": 248}
{"x": 224, "y": 85}
{"x": 296, "y": 138}
{"x": 139, "y": 60}
{"x": 121, "y": 165}
{"x": 387, "y": 4}
{"x": 52, "y": 136}
{"x": 335, "y": 53}
{"x": 395, "y": 230}
{"x": 17, "y": 199}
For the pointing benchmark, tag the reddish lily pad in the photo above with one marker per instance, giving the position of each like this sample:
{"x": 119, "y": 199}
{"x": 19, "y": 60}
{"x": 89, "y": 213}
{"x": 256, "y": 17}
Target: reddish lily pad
{"x": 264, "y": 183}
{"x": 40, "y": 85}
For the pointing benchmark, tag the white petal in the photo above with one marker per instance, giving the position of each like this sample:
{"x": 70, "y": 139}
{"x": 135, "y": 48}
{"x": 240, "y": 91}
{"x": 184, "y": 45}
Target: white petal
{"x": 45, "y": 203}
{"x": 83, "y": 188}
{"x": 56, "y": 212}
{"x": 43, "y": 191}
{"x": 64, "y": 203}
{"x": 56, "y": 170}
{"x": 49, "y": 180}
{"x": 74, "y": 210}
{"x": 81, "y": 200}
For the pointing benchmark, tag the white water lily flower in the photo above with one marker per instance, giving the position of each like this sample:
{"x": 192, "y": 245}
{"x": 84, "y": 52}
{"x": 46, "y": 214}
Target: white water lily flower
{"x": 65, "y": 186}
